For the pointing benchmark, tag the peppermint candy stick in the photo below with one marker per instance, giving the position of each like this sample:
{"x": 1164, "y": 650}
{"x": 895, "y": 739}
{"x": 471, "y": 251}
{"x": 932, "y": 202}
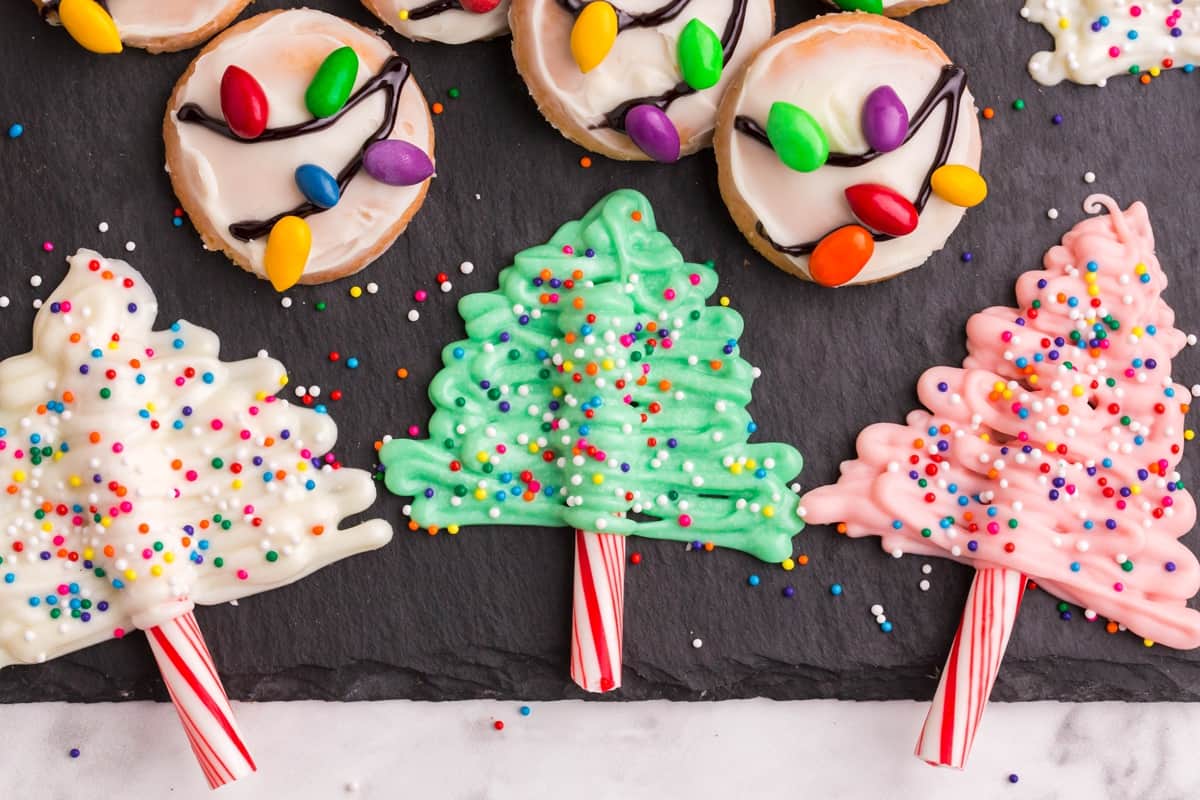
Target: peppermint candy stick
{"x": 195, "y": 688}
{"x": 598, "y": 617}
{"x": 962, "y": 694}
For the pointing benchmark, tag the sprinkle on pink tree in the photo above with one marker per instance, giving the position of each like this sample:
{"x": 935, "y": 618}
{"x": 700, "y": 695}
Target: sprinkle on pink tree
{"x": 1051, "y": 454}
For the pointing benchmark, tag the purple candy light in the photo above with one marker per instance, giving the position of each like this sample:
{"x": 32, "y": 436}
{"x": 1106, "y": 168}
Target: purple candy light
{"x": 884, "y": 120}
{"x": 397, "y": 163}
{"x": 652, "y": 130}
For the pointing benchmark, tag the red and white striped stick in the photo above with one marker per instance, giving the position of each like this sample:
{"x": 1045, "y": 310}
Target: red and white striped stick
{"x": 195, "y": 688}
{"x": 598, "y": 617}
{"x": 971, "y": 668}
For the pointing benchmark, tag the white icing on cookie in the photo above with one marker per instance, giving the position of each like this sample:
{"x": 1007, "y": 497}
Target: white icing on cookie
{"x": 828, "y": 68}
{"x": 642, "y": 62}
{"x": 453, "y": 26}
{"x": 146, "y": 22}
{"x": 1096, "y": 39}
{"x": 144, "y": 474}
{"x": 231, "y": 181}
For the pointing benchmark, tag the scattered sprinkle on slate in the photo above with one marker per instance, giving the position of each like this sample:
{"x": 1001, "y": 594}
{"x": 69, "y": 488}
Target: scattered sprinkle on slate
{"x": 15, "y": 130}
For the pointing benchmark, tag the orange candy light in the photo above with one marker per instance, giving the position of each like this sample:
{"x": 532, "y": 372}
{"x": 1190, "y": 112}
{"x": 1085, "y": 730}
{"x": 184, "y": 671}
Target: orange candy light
{"x": 841, "y": 255}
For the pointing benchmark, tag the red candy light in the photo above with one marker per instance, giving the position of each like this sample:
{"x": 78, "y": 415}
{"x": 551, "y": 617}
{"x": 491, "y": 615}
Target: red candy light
{"x": 243, "y": 103}
{"x": 883, "y": 209}
{"x": 479, "y": 6}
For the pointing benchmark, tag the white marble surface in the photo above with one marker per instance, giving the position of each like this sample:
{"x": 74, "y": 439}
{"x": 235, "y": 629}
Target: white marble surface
{"x": 754, "y": 748}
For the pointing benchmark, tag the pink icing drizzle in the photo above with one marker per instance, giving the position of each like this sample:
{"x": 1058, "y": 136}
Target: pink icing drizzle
{"x": 1064, "y": 457}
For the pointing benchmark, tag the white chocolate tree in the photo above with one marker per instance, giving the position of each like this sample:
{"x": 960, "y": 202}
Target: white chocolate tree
{"x": 142, "y": 474}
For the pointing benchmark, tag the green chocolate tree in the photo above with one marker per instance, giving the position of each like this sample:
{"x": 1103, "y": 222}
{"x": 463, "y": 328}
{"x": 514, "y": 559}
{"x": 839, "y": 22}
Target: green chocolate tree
{"x": 596, "y": 390}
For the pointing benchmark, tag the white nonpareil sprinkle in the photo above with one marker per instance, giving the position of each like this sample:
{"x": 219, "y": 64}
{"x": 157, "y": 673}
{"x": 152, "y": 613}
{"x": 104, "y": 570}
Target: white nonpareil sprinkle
{"x": 1196, "y": 390}
{"x": 130, "y": 247}
{"x": 35, "y": 280}
{"x": 924, "y": 585}
{"x": 4, "y": 301}
{"x": 414, "y": 315}
{"x": 1089, "y": 177}
{"x": 446, "y": 286}
{"x": 466, "y": 268}
{"x": 1052, "y": 213}
{"x": 926, "y": 569}
{"x": 876, "y": 610}
{"x": 697, "y": 643}
{"x": 372, "y": 288}
{"x": 102, "y": 227}
{"x": 37, "y": 303}
{"x": 286, "y": 302}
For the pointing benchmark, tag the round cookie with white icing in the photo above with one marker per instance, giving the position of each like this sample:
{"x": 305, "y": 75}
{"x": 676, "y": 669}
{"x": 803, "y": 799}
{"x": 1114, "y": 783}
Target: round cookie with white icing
{"x": 848, "y": 149}
{"x": 445, "y": 21}
{"x": 300, "y": 145}
{"x": 157, "y": 26}
{"x": 890, "y": 8}
{"x": 635, "y": 80}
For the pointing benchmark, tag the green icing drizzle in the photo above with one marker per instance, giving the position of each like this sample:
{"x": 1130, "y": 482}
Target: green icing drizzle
{"x": 596, "y": 390}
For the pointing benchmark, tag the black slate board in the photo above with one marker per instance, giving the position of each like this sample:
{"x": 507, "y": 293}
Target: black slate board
{"x": 487, "y": 613}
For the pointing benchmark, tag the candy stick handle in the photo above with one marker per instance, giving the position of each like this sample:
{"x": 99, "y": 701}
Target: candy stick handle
{"x": 195, "y": 688}
{"x": 598, "y": 616}
{"x": 962, "y": 694}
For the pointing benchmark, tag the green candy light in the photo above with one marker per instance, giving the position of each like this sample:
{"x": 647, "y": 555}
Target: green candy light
{"x": 869, "y": 6}
{"x": 797, "y": 137}
{"x": 331, "y": 86}
{"x": 701, "y": 57}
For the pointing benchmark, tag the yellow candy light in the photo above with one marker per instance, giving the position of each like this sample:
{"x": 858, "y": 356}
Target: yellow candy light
{"x": 90, "y": 25}
{"x": 287, "y": 252}
{"x": 959, "y": 185}
{"x": 593, "y": 34}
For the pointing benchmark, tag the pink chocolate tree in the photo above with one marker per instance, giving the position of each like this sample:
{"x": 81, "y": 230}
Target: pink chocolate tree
{"x": 1051, "y": 454}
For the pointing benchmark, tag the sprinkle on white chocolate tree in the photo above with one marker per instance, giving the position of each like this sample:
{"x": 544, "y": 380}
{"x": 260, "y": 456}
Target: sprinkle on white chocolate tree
{"x": 141, "y": 473}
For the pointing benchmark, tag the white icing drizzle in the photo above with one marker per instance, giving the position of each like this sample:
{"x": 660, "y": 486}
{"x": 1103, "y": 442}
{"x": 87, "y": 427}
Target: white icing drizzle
{"x": 145, "y": 22}
{"x": 642, "y": 62}
{"x": 136, "y": 509}
{"x": 454, "y": 26}
{"x": 234, "y": 180}
{"x": 1097, "y": 39}
{"x": 828, "y": 69}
